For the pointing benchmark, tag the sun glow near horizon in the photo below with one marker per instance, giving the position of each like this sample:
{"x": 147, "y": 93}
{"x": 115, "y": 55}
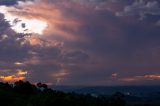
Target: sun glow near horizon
{"x": 18, "y": 75}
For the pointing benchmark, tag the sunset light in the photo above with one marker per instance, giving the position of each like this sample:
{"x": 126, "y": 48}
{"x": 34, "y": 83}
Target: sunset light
{"x": 30, "y": 26}
{"x": 18, "y": 75}
{"x": 80, "y": 46}
{"x": 23, "y": 25}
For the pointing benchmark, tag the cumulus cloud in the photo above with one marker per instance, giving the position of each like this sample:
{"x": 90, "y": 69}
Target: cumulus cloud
{"x": 141, "y": 8}
{"x": 10, "y": 43}
{"x": 18, "y": 75}
{"x": 11, "y": 2}
{"x": 39, "y": 57}
{"x": 52, "y": 56}
{"x": 83, "y": 43}
{"x": 55, "y": 19}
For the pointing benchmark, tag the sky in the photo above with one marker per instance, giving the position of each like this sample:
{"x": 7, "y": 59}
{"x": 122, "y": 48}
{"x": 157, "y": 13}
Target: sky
{"x": 80, "y": 42}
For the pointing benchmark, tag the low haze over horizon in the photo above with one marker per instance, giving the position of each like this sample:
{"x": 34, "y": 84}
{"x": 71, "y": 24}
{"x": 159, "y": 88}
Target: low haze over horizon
{"x": 80, "y": 42}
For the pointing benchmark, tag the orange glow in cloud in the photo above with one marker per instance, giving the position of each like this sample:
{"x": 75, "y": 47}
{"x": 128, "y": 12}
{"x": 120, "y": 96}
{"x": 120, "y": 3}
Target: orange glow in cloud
{"x": 20, "y": 72}
{"x": 60, "y": 75}
{"x": 34, "y": 40}
{"x": 19, "y": 75}
{"x": 141, "y": 78}
{"x": 12, "y": 78}
{"x": 44, "y": 18}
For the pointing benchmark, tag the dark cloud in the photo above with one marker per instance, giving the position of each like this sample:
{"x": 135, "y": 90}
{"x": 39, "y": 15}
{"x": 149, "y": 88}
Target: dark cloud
{"x": 11, "y": 46}
{"x": 86, "y": 42}
{"x": 4, "y": 25}
{"x": 115, "y": 43}
{"x": 41, "y": 61}
{"x": 8, "y": 2}
{"x": 119, "y": 42}
{"x": 141, "y": 8}
{"x": 75, "y": 57}
{"x": 11, "y": 2}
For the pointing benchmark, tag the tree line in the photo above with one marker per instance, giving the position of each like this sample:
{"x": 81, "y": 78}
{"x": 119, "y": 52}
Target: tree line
{"x": 23, "y": 93}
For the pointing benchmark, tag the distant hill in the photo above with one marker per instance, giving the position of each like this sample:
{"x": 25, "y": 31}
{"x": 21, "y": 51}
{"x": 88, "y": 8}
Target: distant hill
{"x": 23, "y": 93}
{"x": 109, "y": 90}
{"x": 133, "y": 94}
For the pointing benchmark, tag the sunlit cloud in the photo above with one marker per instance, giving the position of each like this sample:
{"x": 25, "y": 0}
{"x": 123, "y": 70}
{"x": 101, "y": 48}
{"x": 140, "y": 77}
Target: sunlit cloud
{"x": 35, "y": 40}
{"x": 3, "y": 37}
{"x": 30, "y": 26}
{"x": 21, "y": 72}
{"x": 19, "y": 75}
{"x": 19, "y": 63}
{"x": 11, "y": 78}
{"x": 34, "y": 60}
{"x": 83, "y": 35}
{"x": 50, "y": 19}
{"x": 22, "y": 24}
{"x": 114, "y": 75}
{"x": 141, "y": 78}
{"x": 60, "y": 76}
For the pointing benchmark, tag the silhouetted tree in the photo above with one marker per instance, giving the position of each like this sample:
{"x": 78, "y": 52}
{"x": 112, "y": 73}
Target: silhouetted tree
{"x": 23, "y": 93}
{"x": 24, "y": 87}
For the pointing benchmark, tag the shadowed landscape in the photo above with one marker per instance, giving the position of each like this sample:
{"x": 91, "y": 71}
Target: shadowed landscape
{"x": 25, "y": 94}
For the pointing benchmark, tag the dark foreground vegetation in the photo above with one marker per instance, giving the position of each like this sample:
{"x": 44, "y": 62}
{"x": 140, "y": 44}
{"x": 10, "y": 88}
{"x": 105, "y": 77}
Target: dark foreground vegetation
{"x": 26, "y": 94}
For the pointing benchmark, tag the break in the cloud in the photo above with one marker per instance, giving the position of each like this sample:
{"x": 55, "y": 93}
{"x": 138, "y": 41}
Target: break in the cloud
{"x": 83, "y": 42}
{"x": 55, "y": 19}
{"x": 19, "y": 75}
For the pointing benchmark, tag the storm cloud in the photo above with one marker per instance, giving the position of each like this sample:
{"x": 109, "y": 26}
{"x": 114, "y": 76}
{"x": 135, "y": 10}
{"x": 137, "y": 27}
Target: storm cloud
{"x": 86, "y": 42}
